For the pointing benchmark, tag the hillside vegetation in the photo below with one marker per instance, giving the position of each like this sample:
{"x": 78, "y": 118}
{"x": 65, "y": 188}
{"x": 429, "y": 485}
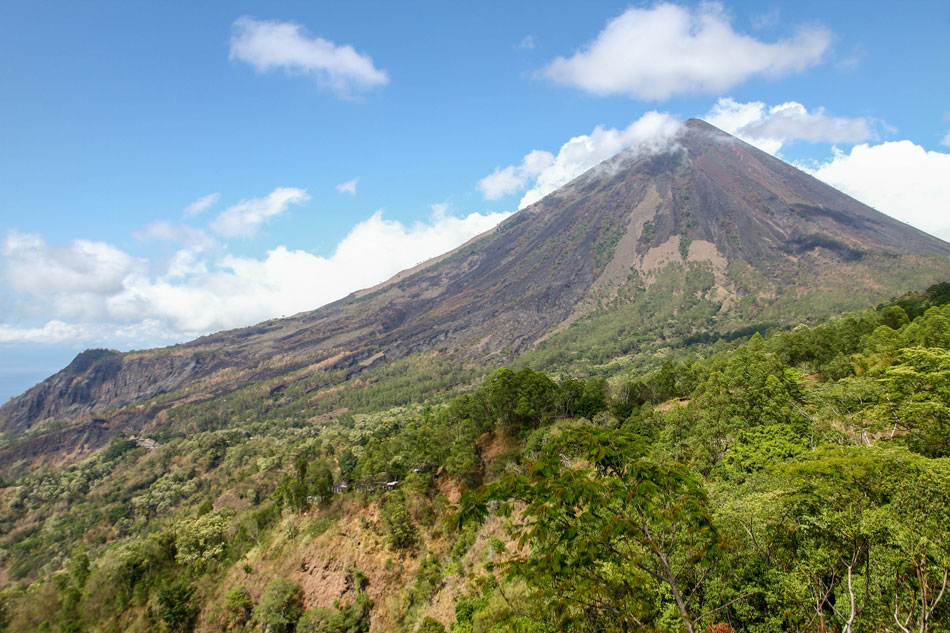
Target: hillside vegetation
{"x": 667, "y": 249}
{"x": 797, "y": 480}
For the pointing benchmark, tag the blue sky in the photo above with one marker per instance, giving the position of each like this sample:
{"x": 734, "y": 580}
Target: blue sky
{"x": 168, "y": 169}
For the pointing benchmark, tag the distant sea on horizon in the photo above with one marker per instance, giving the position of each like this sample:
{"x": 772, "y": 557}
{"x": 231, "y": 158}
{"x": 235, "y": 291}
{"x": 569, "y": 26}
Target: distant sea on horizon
{"x": 22, "y": 366}
{"x": 13, "y": 384}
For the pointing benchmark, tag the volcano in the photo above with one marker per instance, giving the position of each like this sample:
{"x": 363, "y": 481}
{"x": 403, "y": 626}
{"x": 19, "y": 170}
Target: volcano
{"x": 701, "y": 237}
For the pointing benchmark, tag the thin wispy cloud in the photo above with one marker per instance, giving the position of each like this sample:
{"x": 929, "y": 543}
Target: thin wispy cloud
{"x": 348, "y": 187}
{"x": 269, "y": 45}
{"x": 202, "y": 204}
{"x": 656, "y": 53}
{"x": 527, "y": 42}
{"x": 246, "y": 217}
{"x": 852, "y": 60}
{"x": 766, "y": 20}
{"x": 175, "y": 233}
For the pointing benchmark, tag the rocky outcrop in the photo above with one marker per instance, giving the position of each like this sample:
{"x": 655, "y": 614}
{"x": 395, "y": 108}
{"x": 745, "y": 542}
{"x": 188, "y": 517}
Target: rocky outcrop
{"x": 98, "y": 380}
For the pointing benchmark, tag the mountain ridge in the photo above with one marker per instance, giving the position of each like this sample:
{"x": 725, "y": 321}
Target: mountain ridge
{"x": 753, "y": 230}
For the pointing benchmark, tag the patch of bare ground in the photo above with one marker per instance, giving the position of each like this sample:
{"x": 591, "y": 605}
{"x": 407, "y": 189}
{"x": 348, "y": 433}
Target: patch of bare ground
{"x": 327, "y": 417}
{"x": 624, "y": 259}
{"x": 658, "y": 257}
{"x": 320, "y": 563}
{"x": 493, "y": 445}
{"x": 230, "y": 499}
{"x": 353, "y": 536}
{"x": 669, "y": 404}
{"x": 472, "y": 565}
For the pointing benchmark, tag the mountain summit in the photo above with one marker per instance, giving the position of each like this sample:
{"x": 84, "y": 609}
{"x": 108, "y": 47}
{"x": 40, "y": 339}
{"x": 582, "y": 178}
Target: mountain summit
{"x": 702, "y": 235}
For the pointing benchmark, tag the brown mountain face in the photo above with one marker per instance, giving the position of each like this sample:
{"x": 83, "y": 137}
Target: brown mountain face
{"x": 760, "y": 232}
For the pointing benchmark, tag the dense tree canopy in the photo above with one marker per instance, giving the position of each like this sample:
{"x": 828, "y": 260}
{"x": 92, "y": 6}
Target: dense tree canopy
{"x": 797, "y": 481}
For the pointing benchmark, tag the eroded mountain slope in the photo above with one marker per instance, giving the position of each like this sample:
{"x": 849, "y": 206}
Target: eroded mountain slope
{"x": 760, "y": 232}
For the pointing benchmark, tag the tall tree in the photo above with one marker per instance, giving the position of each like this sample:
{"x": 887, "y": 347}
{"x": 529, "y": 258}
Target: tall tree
{"x": 609, "y": 539}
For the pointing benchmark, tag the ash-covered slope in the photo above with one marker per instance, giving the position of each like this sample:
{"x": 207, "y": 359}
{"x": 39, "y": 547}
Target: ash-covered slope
{"x": 760, "y": 226}
{"x": 776, "y": 208}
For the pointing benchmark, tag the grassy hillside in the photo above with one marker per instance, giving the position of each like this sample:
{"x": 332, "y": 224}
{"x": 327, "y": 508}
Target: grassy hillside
{"x": 794, "y": 481}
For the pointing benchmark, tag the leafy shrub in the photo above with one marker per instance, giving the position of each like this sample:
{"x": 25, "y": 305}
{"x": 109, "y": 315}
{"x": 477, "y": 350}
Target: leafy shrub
{"x": 238, "y": 606}
{"x": 176, "y": 607}
{"x": 400, "y": 530}
{"x": 430, "y": 625}
{"x": 280, "y": 606}
{"x": 354, "y": 618}
{"x": 202, "y": 540}
{"x": 759, "y": 447}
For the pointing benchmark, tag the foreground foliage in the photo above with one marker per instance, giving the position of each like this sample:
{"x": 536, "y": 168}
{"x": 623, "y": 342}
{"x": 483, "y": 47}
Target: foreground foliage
{"x": 800, "y": 482}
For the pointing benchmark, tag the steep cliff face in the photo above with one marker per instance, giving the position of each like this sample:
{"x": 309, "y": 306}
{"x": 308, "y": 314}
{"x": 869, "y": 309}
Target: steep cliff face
{"x": 100, "y": 380}
{"x": 760, "y": 227}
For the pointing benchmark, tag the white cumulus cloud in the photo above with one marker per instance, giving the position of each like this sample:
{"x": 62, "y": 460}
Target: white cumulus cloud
{"x": 244, "y": 218}
{"x": 147, "y": 333}
{"x": 541, "y": 172}
{"x": 666, "y": 50}
{"x": 769, "y": 128}
{"x": 899, "y": 178}
{"x": 348, "y": 187}
{"x": 94, "y": 293}
{"x": 54, "y": 331}
{"x": 32, "y": 265}
{"x": 270, "y": 45}
{"x": 508, "y": 180}
{"x": 237, "y": 291}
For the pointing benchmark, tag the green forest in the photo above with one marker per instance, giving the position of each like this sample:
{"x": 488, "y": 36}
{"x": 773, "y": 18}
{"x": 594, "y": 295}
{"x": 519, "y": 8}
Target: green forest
{"x": 797, "y": 479}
